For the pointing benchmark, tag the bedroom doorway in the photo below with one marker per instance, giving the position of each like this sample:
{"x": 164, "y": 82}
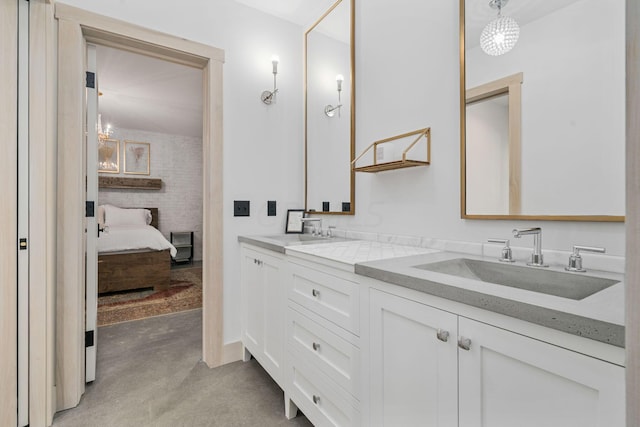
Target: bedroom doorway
{"x": 154, "y": 106}
{"x": 75, "y": 28}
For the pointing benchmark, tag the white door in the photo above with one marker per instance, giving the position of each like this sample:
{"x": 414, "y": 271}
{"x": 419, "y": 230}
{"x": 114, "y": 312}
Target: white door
{"x": 23, "y": 213}
{"x": 510, "y": 380}
{"x": 91, "y": 223}
{"x": 253, "y": 308}
{"x": 274, "y": 312}
{"x": 414, "y": 364}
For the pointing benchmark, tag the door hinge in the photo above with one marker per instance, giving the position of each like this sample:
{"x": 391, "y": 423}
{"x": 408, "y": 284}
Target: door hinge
{"x": 89, "y": 209}
{"x": 23, "y": 244}
{"x": 91, "y": 80}
{"x": 88, "y": 339}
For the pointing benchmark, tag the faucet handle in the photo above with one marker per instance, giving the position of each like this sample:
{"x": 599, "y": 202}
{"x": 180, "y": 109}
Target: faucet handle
{"x": 506, "y": 255}
{"x": 575, "y": 260}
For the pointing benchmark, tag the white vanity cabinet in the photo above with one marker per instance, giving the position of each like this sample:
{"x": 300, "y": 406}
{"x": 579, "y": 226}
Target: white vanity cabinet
{"x": 507, "y": 379}
{"x": 504, "y": 379}
{"x": 263, "y": 308}
{"x": 323, "y": 355}
{"x": 413, "y": 363}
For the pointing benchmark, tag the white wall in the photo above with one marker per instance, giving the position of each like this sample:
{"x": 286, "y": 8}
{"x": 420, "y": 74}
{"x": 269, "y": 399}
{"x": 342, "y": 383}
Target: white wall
{"x": 488, "y": 156}
{"x": 262, "y": 144}
{"x": 407, "y": 77}
{"x": 177, "y": 160}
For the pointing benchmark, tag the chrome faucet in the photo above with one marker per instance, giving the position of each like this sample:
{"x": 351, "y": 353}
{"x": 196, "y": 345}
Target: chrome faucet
{"x": 316, "y": 231}
{"x": 536, "y": 256}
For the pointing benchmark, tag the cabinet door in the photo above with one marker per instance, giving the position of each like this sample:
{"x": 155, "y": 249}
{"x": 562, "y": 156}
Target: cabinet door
{"x": 252, "y": 302}
{"x": 273, "y": 309}
{"x": 510, "y": 380}
{"x": 413, "y": 373}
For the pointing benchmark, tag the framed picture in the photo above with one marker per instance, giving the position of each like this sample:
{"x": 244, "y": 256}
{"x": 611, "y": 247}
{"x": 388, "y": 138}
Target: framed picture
{"x": 109, "y": 156}
{"x": 136, "y": 157}
{"x": 294, "y": 225}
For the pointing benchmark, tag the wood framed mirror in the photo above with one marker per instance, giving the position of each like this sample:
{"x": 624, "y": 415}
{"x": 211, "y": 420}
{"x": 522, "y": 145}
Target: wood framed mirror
{"x": 542, "y": 125}
{"x": 329, "y": 76}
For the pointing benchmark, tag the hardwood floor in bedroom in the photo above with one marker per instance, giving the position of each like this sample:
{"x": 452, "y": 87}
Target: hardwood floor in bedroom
{"x": 150, "y": 374}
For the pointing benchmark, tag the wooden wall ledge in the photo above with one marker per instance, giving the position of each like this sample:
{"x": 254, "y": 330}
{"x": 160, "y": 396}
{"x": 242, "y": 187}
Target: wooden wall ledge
{"x": 129, "y": 183}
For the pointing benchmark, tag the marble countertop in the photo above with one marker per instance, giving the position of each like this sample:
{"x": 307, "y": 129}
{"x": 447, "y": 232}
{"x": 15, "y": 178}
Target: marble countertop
{"x": 278, "y": 242}
{"x": 351, "y": 252}
{"x": 599, "y": 316}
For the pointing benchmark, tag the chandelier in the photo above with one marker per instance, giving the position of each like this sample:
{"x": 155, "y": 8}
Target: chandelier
{"x": 103, "y": 133}
{"x": 501, "y": 34}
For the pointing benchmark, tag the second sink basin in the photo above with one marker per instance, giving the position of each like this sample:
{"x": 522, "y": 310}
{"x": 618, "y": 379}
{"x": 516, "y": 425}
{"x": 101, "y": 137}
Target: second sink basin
{"x": 564, "y": 285}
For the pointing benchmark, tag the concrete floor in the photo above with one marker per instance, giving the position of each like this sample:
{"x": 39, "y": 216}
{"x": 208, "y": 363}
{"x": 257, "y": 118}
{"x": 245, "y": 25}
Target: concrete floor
{"x": 150, "y": 374}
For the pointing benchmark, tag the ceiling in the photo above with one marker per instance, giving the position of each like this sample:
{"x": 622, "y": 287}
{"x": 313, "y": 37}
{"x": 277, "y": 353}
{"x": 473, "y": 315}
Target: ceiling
{"x": 140, "y": 92}
{"x": 302, "y": 12}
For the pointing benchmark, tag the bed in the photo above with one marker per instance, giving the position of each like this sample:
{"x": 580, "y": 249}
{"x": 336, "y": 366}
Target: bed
{"x": 132, "y": 253}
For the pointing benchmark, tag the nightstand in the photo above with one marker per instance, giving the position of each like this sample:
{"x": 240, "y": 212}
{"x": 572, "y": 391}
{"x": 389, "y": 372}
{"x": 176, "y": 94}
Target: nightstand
{"x": 183, "y": 242}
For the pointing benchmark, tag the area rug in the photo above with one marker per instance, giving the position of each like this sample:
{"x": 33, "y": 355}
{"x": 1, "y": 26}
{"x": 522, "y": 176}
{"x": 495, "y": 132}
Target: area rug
{"x": 184, "y": 293}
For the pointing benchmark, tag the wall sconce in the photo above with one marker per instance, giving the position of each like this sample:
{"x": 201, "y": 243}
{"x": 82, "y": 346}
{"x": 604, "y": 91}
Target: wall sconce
{"x": 330, "y": 110}
{"x": 501, "y": 34}
{"x": 267, "y": 96}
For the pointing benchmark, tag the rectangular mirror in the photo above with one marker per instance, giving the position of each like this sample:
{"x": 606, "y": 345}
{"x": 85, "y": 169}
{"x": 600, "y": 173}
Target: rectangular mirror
{"x": 330, "y": 112}
{"x": 542, "y": 124}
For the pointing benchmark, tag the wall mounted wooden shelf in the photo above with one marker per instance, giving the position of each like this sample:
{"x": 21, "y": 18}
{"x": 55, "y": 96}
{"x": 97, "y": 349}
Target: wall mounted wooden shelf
{"x": 396, "y": 164}
{"x": 129, "y": 183}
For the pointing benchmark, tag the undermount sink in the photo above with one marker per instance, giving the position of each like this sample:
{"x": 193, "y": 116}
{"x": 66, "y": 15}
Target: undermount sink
{"x": 566, "y": 285}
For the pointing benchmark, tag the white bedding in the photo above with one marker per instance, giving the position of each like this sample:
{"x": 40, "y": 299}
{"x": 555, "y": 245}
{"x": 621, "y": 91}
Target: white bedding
{"x": 118, "y": 238}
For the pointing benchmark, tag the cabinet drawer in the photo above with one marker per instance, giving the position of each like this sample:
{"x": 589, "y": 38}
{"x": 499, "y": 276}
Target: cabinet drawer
{"x": 322, "y": 401}
{"x": 323, "y": 349}
{"x": 334, "y": 298}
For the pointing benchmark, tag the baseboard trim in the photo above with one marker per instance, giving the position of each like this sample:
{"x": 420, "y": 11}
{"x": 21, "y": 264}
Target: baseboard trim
{"x": 232, "y": 352}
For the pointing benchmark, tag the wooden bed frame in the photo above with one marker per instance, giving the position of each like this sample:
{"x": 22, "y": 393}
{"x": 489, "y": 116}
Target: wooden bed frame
{"x": 135, "y": 270}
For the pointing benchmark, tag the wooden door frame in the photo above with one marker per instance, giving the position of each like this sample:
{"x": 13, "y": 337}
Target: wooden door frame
{"x": 76, "y": 27}
{"x": 9, "y": 216}
{"x": 632, "y": 276}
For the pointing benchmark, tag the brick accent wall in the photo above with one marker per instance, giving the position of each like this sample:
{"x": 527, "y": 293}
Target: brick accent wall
{"x": 177, "y": 160}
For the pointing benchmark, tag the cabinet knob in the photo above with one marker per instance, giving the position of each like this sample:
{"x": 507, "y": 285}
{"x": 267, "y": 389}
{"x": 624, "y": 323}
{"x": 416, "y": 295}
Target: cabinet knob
{"x": 315, "y": 346}
{"x": 315, "y": 292}
{"x": 464, "y": 343}
{"x": 442, "y": 335}
{"x": 316, "y": 399}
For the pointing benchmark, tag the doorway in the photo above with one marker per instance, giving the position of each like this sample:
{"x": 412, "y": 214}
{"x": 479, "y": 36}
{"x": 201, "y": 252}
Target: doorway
{"x": 75, "y": 28}
{"x": 150, "y": 137}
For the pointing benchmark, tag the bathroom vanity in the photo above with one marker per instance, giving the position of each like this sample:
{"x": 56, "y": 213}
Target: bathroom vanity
{"x": 370, "y": 333}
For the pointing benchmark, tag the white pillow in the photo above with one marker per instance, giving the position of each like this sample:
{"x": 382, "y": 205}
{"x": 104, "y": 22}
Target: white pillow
{"x": 118, "y": 216}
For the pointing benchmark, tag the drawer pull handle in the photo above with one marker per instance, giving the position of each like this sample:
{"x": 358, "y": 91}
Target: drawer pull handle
{"x": 315, "y": 346}
{"x": 442, "y": 335}
{"x": 464, "y": 343}
{"x": 315, "y": 293}
{"x": 316, "y": 399}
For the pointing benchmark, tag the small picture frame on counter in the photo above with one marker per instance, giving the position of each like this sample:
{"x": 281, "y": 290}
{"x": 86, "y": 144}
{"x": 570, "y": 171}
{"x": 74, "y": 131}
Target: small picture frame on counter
{"x": 294, "y": 224}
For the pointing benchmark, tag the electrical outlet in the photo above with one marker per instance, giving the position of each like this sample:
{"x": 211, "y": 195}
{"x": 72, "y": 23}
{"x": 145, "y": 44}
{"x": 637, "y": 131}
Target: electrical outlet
{"x": 271, "y": 208}
{"x": 325, "y": 206}
{"x": 346, "y": 206}
{"x": 240, "y": 208}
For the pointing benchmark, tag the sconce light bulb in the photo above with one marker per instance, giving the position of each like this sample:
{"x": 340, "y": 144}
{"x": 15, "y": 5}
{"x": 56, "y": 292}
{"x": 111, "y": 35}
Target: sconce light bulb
{"x": 339, "y": 80}
{"x": 275, "y": 59}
